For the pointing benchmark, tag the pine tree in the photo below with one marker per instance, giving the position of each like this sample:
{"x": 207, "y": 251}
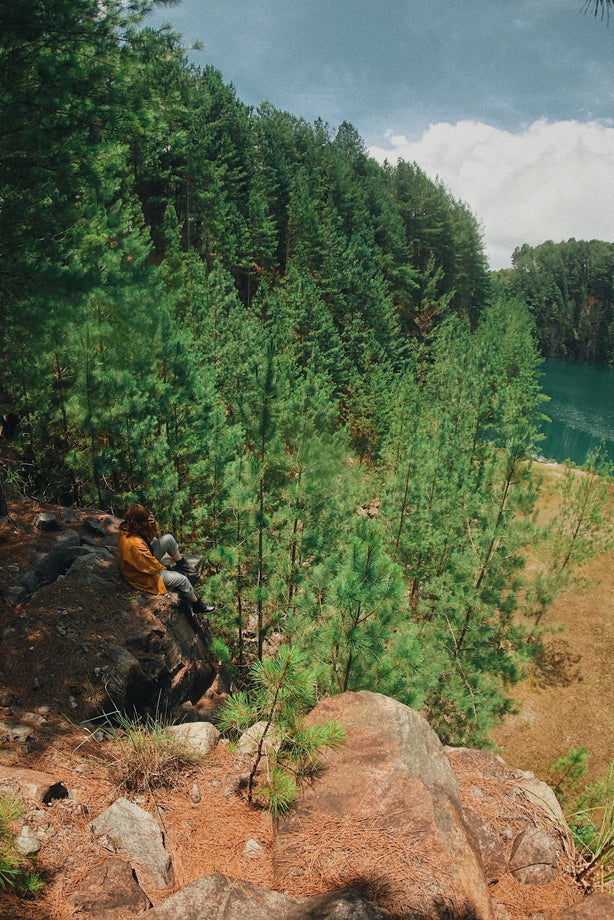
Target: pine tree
{"x": 356, "y": 613}
{"x": 282, "y": 691}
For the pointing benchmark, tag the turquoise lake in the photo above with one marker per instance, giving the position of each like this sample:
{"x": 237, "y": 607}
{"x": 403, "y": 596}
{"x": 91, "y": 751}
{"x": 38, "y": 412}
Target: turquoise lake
{"x": 581, "y": 409}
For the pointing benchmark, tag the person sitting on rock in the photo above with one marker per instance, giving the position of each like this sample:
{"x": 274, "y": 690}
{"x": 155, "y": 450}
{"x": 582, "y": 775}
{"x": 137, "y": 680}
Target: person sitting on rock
{"x": 140, "y": 552}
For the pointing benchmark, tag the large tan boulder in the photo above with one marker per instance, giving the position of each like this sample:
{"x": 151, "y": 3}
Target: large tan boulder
{"x": 384, "y": 816}
{"x": 597, "y": 906}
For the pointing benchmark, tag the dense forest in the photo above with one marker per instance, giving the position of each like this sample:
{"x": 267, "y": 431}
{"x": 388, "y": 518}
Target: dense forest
{"x": 569, "y": 287}
{"x": 292, "y": 353}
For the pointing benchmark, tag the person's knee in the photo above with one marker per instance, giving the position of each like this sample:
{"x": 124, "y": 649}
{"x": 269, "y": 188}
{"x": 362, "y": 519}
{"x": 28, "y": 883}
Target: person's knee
{"x": 164, "y": 545}
{"x": 174, "y": 581}
{"x": 168, "y": 543}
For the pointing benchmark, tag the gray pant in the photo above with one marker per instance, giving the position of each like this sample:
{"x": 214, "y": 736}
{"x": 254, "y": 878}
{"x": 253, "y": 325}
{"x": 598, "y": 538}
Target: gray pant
{"x": 173, "y": 581}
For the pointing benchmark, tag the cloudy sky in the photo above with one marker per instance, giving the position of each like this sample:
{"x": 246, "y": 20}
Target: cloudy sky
{"x": 510, "y": 103}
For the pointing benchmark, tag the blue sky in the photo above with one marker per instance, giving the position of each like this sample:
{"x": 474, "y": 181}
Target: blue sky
{"x": 510, "y": 102}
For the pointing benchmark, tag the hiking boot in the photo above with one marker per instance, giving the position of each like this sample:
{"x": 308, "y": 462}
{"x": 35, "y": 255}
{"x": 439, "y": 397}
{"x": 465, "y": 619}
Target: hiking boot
{"x": 184, "y": 567}
{"x": 201, "y": 607}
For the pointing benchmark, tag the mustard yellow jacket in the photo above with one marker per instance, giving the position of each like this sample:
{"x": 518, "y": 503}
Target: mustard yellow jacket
{"x": 138, "y": 566}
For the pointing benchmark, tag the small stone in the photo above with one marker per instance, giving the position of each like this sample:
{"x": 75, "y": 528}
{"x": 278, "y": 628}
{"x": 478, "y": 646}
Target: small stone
{"x": 19, "y": 733}
{"x": 46, "y": 522}
{"x": 14, "y": 569}
{"x": 195, "y": 794}
{"x": 16, "y": 592}
{"x": 27, "y": 842}
{"x": 68, "y": 515}
{"x": 253, "y": 848}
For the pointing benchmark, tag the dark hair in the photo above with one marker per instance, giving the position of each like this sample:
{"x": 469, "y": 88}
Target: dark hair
{"x": 137, "y": 522}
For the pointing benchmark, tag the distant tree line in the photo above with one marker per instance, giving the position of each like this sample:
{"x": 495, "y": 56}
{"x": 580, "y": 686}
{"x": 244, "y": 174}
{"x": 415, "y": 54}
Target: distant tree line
{"x": 569, "y": 288}
{"x": 289, "y": 351}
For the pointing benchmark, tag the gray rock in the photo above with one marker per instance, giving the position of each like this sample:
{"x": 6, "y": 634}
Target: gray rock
{"x": 125, "y": 828}
{"x": 30, "y": 582}
{"x": 46, "y": 522}
{"x": 109, "y": 892}
{"x": 68, "y": 515}
{"x": 253, "y": 848}
{"x": 488, "y": 845}
{"x": 247, "y": 744}
{"x": 217, "y": 898}
{"x": 16, "y": 593}
{"x": 93, "y": 559}
{"x": 335, "y": 905}
{"x": 27, "y": 843}
{"x": 49, "y": 566}
{"x": 540, "y": 794}
{"x": 201, "y": 737}
{"x": 126, "y": 666}
{"x": 12, "y": 732}
{"x": 534, "y": 857}
{"x": 94, "y": 526}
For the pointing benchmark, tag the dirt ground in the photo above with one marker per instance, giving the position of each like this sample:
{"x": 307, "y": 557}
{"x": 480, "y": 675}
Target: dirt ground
{"x": 573, "y": 704}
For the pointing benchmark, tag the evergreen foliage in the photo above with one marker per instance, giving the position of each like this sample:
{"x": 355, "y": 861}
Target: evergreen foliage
{"x": 243, "y": 321}
{"x": 281, "y": 692}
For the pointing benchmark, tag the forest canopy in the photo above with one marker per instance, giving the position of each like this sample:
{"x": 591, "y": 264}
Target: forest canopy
{"x": 290, "y": 352}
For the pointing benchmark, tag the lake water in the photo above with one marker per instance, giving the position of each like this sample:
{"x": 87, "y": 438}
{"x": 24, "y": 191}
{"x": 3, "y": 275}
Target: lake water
{"x": 581, "y": 408}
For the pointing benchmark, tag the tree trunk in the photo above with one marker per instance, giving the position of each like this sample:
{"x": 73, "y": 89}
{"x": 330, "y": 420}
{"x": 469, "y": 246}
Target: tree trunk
{"x": 4, "y": 511}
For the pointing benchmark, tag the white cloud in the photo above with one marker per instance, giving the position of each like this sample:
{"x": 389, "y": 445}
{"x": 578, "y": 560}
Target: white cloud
{"x": 551, "y": 182}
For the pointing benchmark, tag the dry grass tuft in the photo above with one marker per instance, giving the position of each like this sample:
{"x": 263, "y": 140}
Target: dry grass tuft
{"x": 142, "y": 756}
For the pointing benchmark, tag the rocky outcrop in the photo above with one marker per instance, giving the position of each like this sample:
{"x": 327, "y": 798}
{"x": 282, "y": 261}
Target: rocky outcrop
{"x": 514, "y": 820}
{"x": 393, "y": 826}
{"x": 150, "y": 647}
{"x": 386, "y": 814}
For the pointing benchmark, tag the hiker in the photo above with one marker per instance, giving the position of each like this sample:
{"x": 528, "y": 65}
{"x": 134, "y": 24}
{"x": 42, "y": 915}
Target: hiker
{"x": 140, "y": 554}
